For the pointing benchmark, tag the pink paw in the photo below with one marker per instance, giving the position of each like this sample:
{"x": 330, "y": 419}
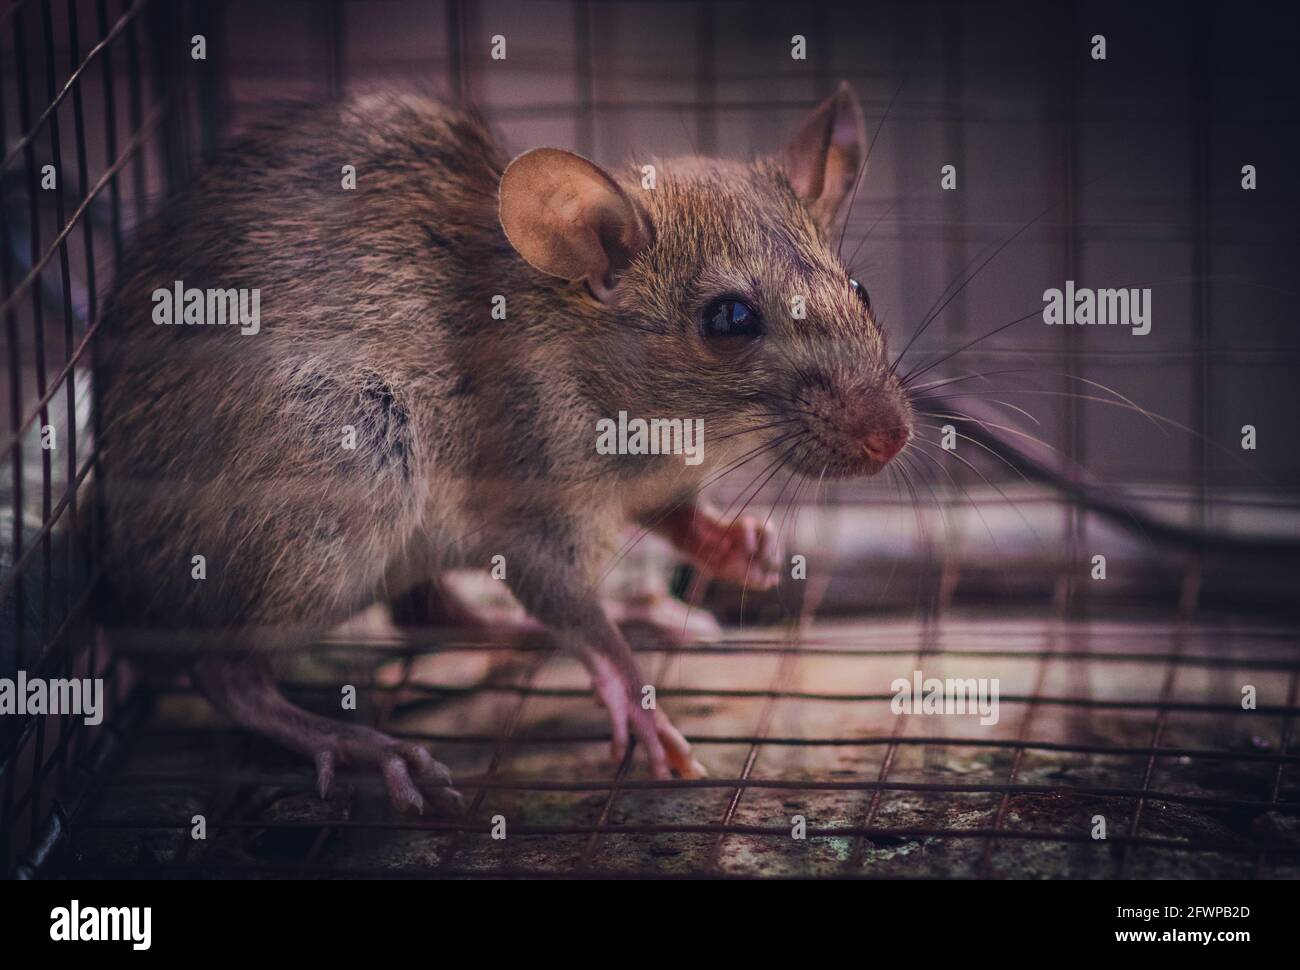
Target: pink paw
{"x": 746, "y": 553}
{"x": 667, "y": 749}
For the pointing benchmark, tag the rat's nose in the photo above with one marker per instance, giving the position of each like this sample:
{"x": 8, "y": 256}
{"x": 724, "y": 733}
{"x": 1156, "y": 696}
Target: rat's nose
{"x": 883, "y": 445}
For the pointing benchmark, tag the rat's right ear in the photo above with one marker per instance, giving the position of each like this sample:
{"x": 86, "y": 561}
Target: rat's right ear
{"x": 567, "y": 217}
{"x": 823, "y": 158}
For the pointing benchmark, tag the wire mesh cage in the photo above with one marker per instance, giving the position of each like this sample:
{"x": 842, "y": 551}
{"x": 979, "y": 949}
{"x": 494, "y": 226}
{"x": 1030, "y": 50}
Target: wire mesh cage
{"x": 97, "y": 119}
{"x": 1120, "y": 745}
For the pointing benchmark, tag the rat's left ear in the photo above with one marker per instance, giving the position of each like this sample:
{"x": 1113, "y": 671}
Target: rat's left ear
{"x": 567, "y": 217}
{"x": 823, "y": 157}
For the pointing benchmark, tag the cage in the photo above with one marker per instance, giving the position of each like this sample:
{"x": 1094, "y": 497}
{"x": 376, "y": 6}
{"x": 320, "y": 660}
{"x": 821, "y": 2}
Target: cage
{"x": 1110, "y": 536}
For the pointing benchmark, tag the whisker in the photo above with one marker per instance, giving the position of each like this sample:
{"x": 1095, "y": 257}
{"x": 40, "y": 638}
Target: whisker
{"x": 863, "y": 169}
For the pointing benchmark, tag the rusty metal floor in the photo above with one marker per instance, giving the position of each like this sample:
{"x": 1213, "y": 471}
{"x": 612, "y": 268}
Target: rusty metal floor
{"x": 1139, "y": 724}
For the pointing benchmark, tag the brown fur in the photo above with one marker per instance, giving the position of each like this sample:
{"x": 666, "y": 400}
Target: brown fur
{"x": 475, "y": 436}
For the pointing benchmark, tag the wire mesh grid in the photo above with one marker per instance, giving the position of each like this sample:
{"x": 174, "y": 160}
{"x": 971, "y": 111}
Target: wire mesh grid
{"x": 95, "y": 122}
{"x": 1110, "y": 721}
{"x": 1126, "y": 722}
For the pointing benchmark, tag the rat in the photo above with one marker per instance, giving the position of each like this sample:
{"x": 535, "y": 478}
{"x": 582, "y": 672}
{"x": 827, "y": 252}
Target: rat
{"x": 465, "y": 322}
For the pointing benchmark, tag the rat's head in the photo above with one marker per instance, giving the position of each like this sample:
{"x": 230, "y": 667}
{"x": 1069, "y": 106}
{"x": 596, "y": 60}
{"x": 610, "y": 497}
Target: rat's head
{"x": 722, "y": 294}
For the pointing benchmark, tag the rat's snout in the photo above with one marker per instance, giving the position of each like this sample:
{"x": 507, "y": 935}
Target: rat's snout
{"x": 859, "y": 426}
{"x": 884, "y": 444}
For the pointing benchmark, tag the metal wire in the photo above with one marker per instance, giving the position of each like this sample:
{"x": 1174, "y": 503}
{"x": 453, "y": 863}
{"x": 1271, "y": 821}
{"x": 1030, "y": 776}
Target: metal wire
{"x": 50, "y": 566}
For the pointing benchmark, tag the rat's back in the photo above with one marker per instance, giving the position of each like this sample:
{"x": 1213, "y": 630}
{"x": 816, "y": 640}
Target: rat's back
{"x": 280, "y": 443}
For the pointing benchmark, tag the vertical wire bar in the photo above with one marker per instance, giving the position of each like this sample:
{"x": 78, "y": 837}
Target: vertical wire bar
{"x": 1075, "y": 518}
{"x": 211, "y": 95}
{"x": 37, "y": 290}
{"x": 65, "y": 275}
{"x": 38, "y": 323}
{"x": 1202, "y": 254}
{"x": 95, "y": 532}
{"x": 135, "y": 97}
{"x": 1288, "y": 723}
{"x": 456, "y": 70}
{"x": 954, "y": 137}
{"x": 110, "y": 136}
{"x": 88, "y": 251}
{"x": 584, "y": 71}
{"x": 706, "y": 81}
{"x": 333, "y": 24}
{"x": 8, "y": 822}
{"x": 171, "y": 70}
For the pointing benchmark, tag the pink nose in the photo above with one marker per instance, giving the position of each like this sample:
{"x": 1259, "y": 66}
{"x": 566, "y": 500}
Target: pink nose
{"x": 884, "y": 445}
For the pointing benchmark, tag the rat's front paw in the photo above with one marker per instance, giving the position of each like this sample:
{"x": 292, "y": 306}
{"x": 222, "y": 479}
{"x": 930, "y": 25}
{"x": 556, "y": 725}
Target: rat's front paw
{"x": 746, "y": 552}
{"x": 668, "y": 750}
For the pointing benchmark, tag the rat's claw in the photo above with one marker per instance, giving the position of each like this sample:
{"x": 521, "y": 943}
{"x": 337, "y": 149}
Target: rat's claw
{"x": 247, "y": 693}
{"x": 412, "y": 777}
{"x": 433, "y": 778}
{"x": 325, "y": 762}
{"x": 643, "y": 725}
{"x": 401, "y": 789}
{"x": 678, "y": 748}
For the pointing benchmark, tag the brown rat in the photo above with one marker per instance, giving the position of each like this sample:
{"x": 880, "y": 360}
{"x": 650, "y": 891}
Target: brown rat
{"x": 474, "y": 436}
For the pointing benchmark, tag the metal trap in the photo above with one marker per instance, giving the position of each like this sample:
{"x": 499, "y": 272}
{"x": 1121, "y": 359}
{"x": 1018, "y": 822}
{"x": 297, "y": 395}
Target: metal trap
{"x": 1145, "y": 726}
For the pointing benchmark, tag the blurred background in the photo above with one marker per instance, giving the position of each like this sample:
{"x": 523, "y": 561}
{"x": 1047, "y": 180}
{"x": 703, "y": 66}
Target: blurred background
{"x": 1122, "y": 172}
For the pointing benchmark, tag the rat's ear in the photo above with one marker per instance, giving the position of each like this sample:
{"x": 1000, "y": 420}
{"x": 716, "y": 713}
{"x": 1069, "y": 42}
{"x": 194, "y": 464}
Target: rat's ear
{"x": 567, "y": 217}
{"x": 823, "y": 157}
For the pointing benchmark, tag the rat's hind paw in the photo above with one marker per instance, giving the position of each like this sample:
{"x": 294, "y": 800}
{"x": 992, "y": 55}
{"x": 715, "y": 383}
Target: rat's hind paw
{"x": 242, "y": 688}
{"x": 411, "y": 774}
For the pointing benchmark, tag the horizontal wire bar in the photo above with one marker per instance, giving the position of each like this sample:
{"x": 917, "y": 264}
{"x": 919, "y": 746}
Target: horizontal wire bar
{"x": 450, "y": 690}
{"x": 434, "y": 737}
{"x": 717, "y": 649}
{"x": 502, "y": 783}
{"x": 437, "y": 826}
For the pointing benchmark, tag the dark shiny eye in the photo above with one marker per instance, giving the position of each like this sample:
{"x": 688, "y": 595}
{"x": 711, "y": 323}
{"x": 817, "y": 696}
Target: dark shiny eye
{"x": 862, "y": 293}
{"x": 728, "y": 317}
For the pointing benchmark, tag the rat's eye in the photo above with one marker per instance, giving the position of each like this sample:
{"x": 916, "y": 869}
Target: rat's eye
{"x": 728, "y": 317}
{"x": 861, "y": 291}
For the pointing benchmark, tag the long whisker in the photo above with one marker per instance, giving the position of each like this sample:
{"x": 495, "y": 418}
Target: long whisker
{"x": 1006, "y": 498}
{"x": 912, "y": 375}
{"x": 863, "y": 169}
{"x": 965, "y": 492}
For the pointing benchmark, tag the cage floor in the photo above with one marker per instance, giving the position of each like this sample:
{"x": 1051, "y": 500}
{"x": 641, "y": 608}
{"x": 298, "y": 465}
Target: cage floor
{"x": 1135, "y": 726}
